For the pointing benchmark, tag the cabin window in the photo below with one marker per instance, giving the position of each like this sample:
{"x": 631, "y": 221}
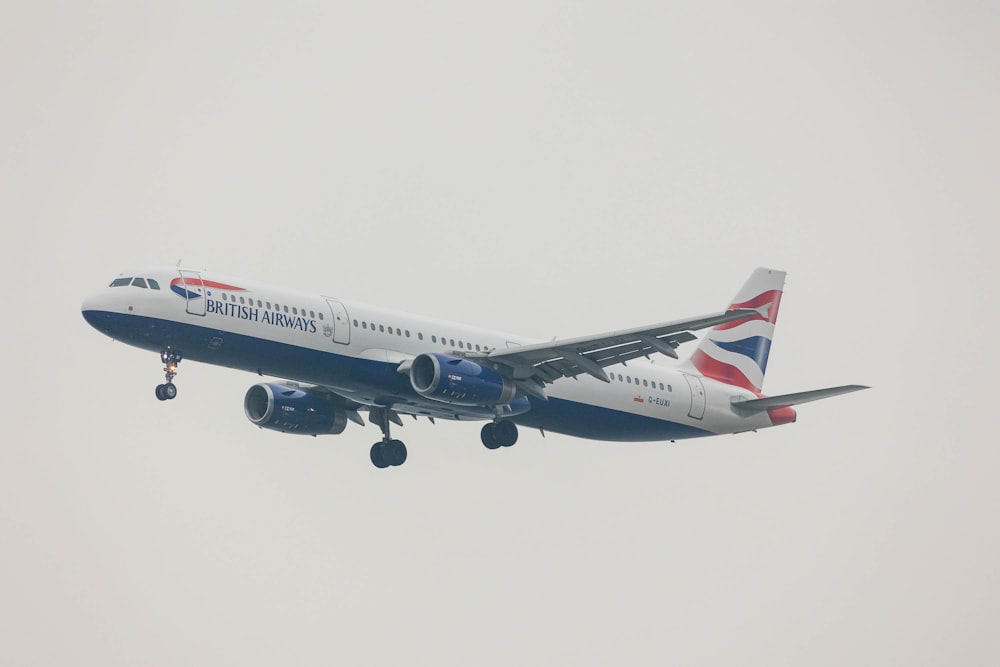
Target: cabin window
{"x": 364, "y": 325}
{"x": 434, "y": 339}
{"x": 381, "y": 328}
{"x": 285, "y": 308}
{"x": 452, "y": 342}
{"x": 420, "y": 336}
{"x": 295, "y": 311}
{"x": 321, "y": 317}
{"x": 268, "y": 305}
{"x": 355, "y": 322}
{"x": 644, "y": 383}
{"x": 669, "y": 388}
{"x": 406, "y": 333}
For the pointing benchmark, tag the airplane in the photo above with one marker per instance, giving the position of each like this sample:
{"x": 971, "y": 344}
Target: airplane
{"x": 337, "y": 358}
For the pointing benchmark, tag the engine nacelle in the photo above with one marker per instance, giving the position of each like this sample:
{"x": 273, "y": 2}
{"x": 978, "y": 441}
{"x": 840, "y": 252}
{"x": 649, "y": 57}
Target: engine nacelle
{"x": 292, "y": 410}
{"x": 459, "y": 381}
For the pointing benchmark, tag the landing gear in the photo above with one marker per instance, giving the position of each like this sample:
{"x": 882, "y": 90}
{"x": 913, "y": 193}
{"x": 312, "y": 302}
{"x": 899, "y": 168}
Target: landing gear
{"x": 387, "y": 452}
{"x": 171, "y": 360}
{"x": 499, "y": 434}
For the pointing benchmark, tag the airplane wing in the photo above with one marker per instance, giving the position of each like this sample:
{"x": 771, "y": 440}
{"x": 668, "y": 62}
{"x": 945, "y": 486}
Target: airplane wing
{"x": 533, "y": 366}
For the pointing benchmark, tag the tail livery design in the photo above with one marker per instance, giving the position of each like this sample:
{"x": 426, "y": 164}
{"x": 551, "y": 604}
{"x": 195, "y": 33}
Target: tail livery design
{"x": 735, "y": 353}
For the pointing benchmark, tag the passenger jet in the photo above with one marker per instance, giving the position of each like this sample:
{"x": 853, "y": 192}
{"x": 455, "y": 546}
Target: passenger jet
{"x": 337, "y": 358}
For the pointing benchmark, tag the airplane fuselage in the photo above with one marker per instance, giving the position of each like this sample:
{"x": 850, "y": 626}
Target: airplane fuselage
{"x": 360, "y": 352}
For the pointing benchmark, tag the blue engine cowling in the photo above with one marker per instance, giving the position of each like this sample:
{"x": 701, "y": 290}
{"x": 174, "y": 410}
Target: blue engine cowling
{"x": 459, "y": 381}
{"x": 292, "y": 410}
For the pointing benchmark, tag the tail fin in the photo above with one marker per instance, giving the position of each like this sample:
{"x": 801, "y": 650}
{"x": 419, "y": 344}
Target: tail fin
{"x": 736, "y": 352}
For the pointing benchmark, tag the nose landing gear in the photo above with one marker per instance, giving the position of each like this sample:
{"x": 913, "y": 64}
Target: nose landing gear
{"x": 171, "y": 360}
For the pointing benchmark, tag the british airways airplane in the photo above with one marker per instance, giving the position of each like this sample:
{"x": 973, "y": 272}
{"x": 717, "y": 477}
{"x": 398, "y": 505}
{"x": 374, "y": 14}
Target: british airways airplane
{"x": 338, "y": 358}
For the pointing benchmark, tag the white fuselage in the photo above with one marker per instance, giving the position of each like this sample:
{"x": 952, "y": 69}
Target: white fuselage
{"x": 355, "y": 350}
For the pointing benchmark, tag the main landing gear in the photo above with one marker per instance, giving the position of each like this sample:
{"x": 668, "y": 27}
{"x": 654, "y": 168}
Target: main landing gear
{"x": 387, "y": 452}
{"x": 171, "y": 359}
{"x": 499, "y": 434}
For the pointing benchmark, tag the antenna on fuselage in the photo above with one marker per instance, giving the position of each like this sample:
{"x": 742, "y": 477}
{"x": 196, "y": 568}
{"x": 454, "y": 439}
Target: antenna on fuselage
{"x": 179, "y": 263}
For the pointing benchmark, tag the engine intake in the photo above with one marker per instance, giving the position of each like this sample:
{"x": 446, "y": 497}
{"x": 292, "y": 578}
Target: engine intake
{"x": 459, "y": 381}
{"x": 288, "y": 409}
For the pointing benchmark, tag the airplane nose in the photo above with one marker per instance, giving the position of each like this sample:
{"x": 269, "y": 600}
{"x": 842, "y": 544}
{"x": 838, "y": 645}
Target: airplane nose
{"x": 94, "y": 314}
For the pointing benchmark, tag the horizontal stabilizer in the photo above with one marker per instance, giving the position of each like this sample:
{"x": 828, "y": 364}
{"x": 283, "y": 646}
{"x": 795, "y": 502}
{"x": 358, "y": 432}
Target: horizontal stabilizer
{"x": 786, "y": 400}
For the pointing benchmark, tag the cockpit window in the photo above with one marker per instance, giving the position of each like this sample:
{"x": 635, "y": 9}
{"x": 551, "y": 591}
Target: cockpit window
{"x": 139, "y": 282}
{"x": 153, "y": 284}
{"x": 120, "y": 282}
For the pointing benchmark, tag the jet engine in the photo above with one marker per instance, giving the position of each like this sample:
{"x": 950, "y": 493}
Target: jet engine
{"x": 459, "y": 381}
{"x": 291, "y": 409}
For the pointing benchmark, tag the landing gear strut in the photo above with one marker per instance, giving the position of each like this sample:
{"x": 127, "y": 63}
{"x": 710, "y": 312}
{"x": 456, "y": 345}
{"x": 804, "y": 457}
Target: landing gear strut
{"x": 498, "y": 434}
{"x": 387, "y": 452}
{"x": 171, "y": 360}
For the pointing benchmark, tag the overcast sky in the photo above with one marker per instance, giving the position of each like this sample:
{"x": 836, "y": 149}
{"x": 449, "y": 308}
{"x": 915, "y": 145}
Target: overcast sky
{"x": 549, "y": 168}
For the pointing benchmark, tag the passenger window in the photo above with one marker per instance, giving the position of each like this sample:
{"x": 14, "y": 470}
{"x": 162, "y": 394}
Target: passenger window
{"x": 364, "y": 325}
{"x": 407, "y": 333}
{"x": 420, "y": 336}
{"x": 453, "y": 342}
{"x": 644, "y": 384}
{"x": 312, "y": 314}
{"x": 153, "y": 284}
{"x": 295, "y": 311}
{"x": 477, "y": 347}
{"x": 242, "y": 301}
{"x": 285, "y": 308}
{"x": 628, "y": 378}
{"x": 669, "y": 388}
{"x": 321, "y": 317}
{"x": 381, "y": 328}
{"x": 259, "y": 304}
{"x": 355, "y": 322}
{"x": 268, "y": 305}
{"x": 460, "y": 345}
{"x": 434, "y": 339}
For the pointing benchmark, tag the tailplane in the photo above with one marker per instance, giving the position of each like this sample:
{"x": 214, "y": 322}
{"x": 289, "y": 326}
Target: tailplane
{"x": 736, "y": 352}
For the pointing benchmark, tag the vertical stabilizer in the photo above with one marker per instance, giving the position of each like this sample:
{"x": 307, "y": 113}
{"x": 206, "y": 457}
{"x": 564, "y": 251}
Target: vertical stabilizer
{"x": 736, "y": 352}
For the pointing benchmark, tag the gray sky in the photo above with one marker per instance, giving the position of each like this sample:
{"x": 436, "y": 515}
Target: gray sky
{"x": 550, "y": 168}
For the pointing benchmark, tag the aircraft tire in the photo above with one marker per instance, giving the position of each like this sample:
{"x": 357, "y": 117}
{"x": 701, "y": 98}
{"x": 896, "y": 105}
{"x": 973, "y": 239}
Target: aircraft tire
{"x": 395, "y": 452}
{"x": 169, "y": 391}
{"x": 378, "y": 456}
{"x": 489, "y": 436}
{"x": 505, "y": 433}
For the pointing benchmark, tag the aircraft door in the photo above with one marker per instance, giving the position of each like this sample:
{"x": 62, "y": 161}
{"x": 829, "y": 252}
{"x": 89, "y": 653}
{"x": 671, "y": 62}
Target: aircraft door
{"x": 191, "y": 287}
{"x": 341, "y": 323}
{"x": 697, "y": 410}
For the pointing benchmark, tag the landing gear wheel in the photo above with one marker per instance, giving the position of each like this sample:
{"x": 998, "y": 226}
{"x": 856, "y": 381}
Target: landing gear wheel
{"x": 505, "y": 433}
{"x": 169, "y": 391}
{"x": 395, "y": 452}
{"x": 489, "y": 436}
{"x": 159, "y": 392}
{"x": 378, "y": 456}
